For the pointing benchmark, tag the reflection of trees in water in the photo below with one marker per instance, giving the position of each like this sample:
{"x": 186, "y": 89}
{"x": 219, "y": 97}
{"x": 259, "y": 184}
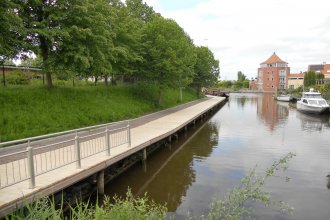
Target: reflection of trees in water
{"x": 174, "y": 179}
{"x": 312, "y": 122}
{"x": 241, "y": 101}
{"x": 328, "y": 184}
{"x": 205, "y": 140}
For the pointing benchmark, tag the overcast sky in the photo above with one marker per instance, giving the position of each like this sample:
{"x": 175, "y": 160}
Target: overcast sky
{"x": 244, "y": 33}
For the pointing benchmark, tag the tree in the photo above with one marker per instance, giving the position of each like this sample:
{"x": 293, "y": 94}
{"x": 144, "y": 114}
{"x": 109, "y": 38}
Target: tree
{"x": 43, "y": 24}
{"x": 327, "y": 90}
{"x": 88, "y": 47}
{"x": 127, "y": 41}
{"x": 31, "y": 62}
{"x": 12, "y": 31}
{"x": 168, "y": 54}
{"x": 246, "y": 83}
{"x": 206, "y": 68}
{"x": 240, "y": 76}
{"x": 319, "y": 77}
{"x": 309, "y": 78}
{"x": 74, "y": 35}
{"x": 140, "y": 10}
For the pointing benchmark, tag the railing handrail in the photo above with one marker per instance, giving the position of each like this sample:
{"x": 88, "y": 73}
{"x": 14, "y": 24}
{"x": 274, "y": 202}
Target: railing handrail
{"x": 20, "y": 141}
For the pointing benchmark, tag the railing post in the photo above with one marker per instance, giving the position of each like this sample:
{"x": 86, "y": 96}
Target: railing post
{"x": 32, "y": 181}
{"x": 77, "y": 148}
{"x": 107, "y": 141}
{"x": 129, "y": 134}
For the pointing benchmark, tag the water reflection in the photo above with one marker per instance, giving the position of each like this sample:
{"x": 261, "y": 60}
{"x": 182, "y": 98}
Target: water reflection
{"x": 271, "y": 111}
{"x": 250, "y": 129}
{"x": 241, "y": 101}
{"x": 312, "y": 122}
{"x": 169, "y": 173}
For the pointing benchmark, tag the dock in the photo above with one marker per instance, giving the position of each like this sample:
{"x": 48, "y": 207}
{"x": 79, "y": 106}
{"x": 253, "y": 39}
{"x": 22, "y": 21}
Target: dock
{"x": 38, "y": 168}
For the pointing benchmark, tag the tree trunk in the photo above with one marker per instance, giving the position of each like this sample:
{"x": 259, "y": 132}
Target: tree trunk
{"x": 113, "y": 81}
{"x": 106, "y": 81}
{"x": 3, "y": 74}
{"x": 49, "y": 79}
{"x": 95, "y": 82}
{"x": 45, "y": 54}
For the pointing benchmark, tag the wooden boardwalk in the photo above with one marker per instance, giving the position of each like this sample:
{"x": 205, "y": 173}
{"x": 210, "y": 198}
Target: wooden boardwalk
{"x": 142, "y": 135}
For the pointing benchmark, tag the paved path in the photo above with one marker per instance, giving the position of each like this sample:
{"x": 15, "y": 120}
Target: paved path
{"x": 143, "y": 133}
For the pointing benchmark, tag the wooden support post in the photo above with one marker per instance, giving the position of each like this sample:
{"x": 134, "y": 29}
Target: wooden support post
{"x": 144, "y": 166}
{"x": 100, "y": 183}
{"x": 144, "y": 154}
{"x": 170, "y": 139}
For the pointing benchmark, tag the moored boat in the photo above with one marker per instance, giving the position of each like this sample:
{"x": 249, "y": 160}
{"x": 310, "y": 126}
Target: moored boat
{"x": 312, "y": 102}
{"x": 283, "y": 98}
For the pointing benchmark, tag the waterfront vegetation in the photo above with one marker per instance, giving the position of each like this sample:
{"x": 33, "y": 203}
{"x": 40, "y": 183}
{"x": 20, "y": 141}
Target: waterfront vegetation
{"x": 106, "y": 40}
{"x": 34, "y": 110}
{"x": 231, "y": 207}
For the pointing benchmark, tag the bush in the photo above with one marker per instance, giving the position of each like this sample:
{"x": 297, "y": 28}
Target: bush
{"x": 17, "y": 79}
{"x": 326, "y": 92}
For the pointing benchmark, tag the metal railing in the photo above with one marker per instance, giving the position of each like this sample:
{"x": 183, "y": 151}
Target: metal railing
{"x": 53, "y": 154}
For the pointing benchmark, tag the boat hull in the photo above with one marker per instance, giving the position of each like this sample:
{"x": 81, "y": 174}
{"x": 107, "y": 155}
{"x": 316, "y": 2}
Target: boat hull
{"x": 283, "y": 98}
{"x": 310, "y": 108}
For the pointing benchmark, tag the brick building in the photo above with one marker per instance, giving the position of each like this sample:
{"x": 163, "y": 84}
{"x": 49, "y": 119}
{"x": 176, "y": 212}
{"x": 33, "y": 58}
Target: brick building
{"x": 273, "y": 74}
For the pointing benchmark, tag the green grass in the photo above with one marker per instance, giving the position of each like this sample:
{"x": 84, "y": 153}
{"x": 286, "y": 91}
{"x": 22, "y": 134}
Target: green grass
{"x": 27, "y": 111}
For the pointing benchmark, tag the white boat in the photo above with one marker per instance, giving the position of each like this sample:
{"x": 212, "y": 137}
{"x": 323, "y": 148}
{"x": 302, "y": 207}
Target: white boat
{"x": 283, "y": 98}
{"x": 312, "y": 102}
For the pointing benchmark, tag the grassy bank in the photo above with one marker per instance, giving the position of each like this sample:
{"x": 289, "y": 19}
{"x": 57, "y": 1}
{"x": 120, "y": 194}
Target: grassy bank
{"x": 27, "y": 111}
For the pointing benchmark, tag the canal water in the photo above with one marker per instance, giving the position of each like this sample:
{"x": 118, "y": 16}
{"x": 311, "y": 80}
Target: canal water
{"x": 249, "y": 130}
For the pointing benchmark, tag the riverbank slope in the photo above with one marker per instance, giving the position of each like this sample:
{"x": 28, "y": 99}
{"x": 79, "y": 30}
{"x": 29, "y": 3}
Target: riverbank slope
{"x": 35, "y": 110}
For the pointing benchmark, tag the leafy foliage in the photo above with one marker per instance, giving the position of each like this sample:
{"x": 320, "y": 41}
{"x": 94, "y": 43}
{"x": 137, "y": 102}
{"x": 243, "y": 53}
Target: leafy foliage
{"x": 309, "y": 78}
{"x": 12, "y": 32}
{"x": 240, "y": 76}
{"x": 206, "y": 68}
{"x": 168, "y": 54}
{"x": 327, "y": 90}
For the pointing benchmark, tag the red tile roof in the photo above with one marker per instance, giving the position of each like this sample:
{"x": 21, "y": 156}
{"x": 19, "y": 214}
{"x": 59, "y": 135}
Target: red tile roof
{"x": 273, "y": 59}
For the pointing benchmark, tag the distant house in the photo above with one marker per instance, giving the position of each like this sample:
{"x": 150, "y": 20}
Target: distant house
{"x": 253, "y": 84}
{"x": 295, "y": 80}
{"x": 273, "y": 74}
{"x": 321, "y": 68}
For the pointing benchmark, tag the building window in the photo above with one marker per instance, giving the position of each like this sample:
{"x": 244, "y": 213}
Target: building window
{"x": 291, "y": 86}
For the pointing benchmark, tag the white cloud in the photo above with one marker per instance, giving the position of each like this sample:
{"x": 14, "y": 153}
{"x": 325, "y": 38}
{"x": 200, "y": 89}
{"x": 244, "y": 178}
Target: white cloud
{"x": 242, "y": 33}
